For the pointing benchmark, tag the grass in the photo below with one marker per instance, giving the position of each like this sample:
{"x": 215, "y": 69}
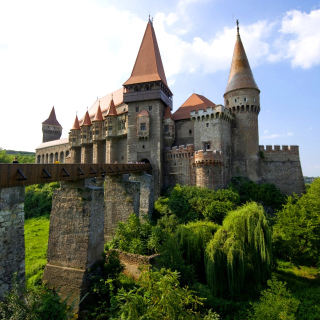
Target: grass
{"x": 304, "y": 283}
{"x": 36, "y": 233}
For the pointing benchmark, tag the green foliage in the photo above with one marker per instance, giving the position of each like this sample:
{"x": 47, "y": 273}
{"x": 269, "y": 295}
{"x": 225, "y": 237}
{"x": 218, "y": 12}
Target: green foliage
{"x": 267, "y": 194}
{"x": 136, "y": 236}
{"x": 276, "y": 303}
{"x": 36, "y": 233}
{"x": 22, "y": 158}
{"x": 240, "y": 252}
{"x": 38, "y": 303}
{"x": 4, "y": 157}
{"x": 297, "y": 228}
{"x": 38, "y": 199}
{"x": 193, "y": 239}
{"x": 159, "y": 297}
{"x": 189, "y": 203}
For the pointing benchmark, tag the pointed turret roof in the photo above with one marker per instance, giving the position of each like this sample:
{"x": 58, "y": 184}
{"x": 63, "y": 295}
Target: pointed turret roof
{"x": 86, "y": 121}
{"x": 98, "y": 116}
{"x": 148, "y": 66}
{"x": 112, "y": 109}
{"x": 167, "y": 114}
{"x": 240, "y": 75}
{"x": 52, "y": 120}
{"x": 194, "y": 102}
{"x": 76, "y": 125}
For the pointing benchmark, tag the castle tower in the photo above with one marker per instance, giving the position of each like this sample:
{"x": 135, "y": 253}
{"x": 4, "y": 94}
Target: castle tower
{"x": 51, "y": 128}
{"x": 242, "y": 98}
{"x": 75, "y": 142}
{"x": 111, "y": 133}
{"x": 86, "y": 139}
{"x": 98, "y": 143}
{"x": 147, "y": 90}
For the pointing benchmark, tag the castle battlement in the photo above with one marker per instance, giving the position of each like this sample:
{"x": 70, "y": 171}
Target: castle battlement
{"x": 208, "y": 156}
{"x": 183, "y": 151}
{"x": 219, "y": 112}
{"x": 278, "y": 149}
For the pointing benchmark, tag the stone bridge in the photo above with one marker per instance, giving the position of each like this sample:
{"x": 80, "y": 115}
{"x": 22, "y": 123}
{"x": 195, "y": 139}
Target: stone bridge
{"x": 85, "y": 212}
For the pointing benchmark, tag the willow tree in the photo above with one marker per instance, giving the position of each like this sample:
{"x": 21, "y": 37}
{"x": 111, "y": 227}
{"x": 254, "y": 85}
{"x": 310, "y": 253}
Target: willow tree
{"x": 193, "y": 238}
{"x": 240, "y": 251}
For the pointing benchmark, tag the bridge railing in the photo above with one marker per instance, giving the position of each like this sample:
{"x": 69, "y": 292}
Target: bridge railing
{"x": 22, "y": 174}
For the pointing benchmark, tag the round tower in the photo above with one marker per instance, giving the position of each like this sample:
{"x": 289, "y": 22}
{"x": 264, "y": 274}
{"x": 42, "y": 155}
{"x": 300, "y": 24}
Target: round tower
{"x": 242, "y": 98}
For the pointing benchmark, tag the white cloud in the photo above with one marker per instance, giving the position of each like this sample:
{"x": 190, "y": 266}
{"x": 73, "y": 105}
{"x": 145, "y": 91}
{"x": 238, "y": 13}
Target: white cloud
{"x": 300, "y": 41}
{"x": 276, "y": 135}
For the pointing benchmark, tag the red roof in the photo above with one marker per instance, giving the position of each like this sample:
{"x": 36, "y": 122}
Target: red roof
{"x": 52, "y": 120}
{"x": 240, "y": 76}
{"x": 167, "y": 114}
{"x": 112, "y": 109}
{"x": 76, "y": 125}
{"x": 98, "y": 116}
{"x": 143, "y": 113}
{"x": 194, "y": 102}
{"x": 86, "y": 121}
{"x": 148, "y": 66}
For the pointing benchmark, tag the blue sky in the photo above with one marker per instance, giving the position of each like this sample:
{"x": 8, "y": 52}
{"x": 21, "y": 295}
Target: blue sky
{"x": 68, "y": 53}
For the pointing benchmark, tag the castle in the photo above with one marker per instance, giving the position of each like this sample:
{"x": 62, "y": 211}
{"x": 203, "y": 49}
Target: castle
{"x": 200, "y": 144}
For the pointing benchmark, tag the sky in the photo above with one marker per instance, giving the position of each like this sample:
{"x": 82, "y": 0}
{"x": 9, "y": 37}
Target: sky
{"x": 68, "y": 53}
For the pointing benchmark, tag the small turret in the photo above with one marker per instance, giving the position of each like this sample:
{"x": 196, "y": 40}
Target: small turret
{"x": 75, "y": 142}
{"x": 168, "y": 128}
{"x": 97, "y": 124}
{"x": 111, "y": 120}
{"x": 51, "y": 128}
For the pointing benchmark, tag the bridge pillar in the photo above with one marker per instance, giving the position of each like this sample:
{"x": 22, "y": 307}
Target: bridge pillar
{"x": 122, "y": 198}
{"x": 12, "y": 249}
{"x": 76, "y": 237}
{"x": 146, "y": 191}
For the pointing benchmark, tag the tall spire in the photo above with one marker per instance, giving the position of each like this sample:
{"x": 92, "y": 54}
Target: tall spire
{"x": 87, "y": 120}
{"x": 148, "y": 66}
{"x": 167, "y": 114}
{"x": 240, "y": 76}
{"x": 112, "y": 108}
{"x": 98, "y": 116}
{"x": 52, "y": 120}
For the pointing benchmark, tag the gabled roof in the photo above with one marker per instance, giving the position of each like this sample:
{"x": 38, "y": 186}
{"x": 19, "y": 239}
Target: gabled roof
{"x": 148, "y": 66}
{"x": 194, "y": 102}
{"x": 112, "y": 109}
{"x": 167, "y": 114}
{"x": 53, "y": 143}
{"x": 143, "y": 113}
{"x": 98, "y": 116}
{"x": 76, "y": 125}
{"x": 52, "y": 120}
{"x": 86, "y": 121}
{"x": 240, "y": 75}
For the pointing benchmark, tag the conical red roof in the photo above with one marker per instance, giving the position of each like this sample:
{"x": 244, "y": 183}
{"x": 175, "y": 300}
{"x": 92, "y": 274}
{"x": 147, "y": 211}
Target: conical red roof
{"x": 143, "y": 113}
{"x": 52, "y": 120}
{"x": 148, "y": 66}
{"x": 167, "y": 114}
{"x": 98, "y": 116}
{"x": 240, "y": 76}
{"x": 112, "y": 109}
{"x": 86, "y": 121}
{"x": 76, "y": 125}
{"x": 194, "y": 102}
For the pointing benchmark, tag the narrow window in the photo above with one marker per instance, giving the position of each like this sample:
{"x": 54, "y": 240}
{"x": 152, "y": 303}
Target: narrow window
{"x": 244, "y": 99}
{"x": 150, "y": 108}
{"x": 143, "y": 147}
{"x": 166, "y": 128}
{"x": 254, "y": 99}
{"x": 207, "y": 124}
{"x": 137, "y": 109}
{"x": 110, "y": 128}
{"x": 142, "y": 127}
{"x": 235, "y": 100}
{"x": 190, "y": 131}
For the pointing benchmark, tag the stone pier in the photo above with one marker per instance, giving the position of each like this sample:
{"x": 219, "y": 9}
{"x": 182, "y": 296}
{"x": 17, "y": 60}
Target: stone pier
{"x": 12, "y": 249}
{"x": 76, "y": 237}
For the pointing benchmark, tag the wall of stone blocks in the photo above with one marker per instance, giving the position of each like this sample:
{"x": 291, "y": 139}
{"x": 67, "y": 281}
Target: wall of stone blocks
{"x": 12, "y": 248}
{"x": 210, "y": 175}
{"x": 122, "y": 198}
{"x": 182, "y": 134}
{"x": 44, "y": 153}
{"x": 76, "y": 237}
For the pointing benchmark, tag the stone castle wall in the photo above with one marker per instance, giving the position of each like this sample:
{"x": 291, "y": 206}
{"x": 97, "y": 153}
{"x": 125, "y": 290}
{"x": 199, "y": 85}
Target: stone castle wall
{"x": 12, "y": 249}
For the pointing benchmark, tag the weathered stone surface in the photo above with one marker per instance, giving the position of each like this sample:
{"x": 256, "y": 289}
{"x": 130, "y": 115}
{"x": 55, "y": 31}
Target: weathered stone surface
{"x": 12, "y": 248}
{"x": 76, "y": 236}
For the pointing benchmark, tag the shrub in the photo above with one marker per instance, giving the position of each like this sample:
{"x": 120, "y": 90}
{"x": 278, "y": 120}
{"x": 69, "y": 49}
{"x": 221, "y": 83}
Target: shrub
{"x": 275, "y": 303}
{"x": 297, "y": 228}
{"x": 240, "y": 251}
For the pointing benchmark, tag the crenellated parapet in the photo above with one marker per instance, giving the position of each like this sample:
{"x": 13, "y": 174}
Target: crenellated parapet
{"x": 180, "y": 152}
{"x": 244, "y": 108}
{"x": 208, "y": 157}
{"x": 219, "y": 112}
{"x": 278, "y": 149}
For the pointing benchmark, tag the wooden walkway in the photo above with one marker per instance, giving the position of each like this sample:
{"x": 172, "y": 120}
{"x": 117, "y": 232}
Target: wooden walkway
{"x": 23, "y": 174}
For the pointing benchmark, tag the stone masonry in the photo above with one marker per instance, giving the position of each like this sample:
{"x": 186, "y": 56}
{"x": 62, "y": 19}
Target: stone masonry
{"x": 12, "y": 249}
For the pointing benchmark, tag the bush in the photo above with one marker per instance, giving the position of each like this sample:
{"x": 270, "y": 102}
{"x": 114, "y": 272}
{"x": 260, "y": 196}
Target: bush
{"x": 240, "y": 252}
{"x": 297, "y": 228}
{"x": 38, "y": 303}
{"x": 275, "y": 303}
{"x": 38, "y": 199}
